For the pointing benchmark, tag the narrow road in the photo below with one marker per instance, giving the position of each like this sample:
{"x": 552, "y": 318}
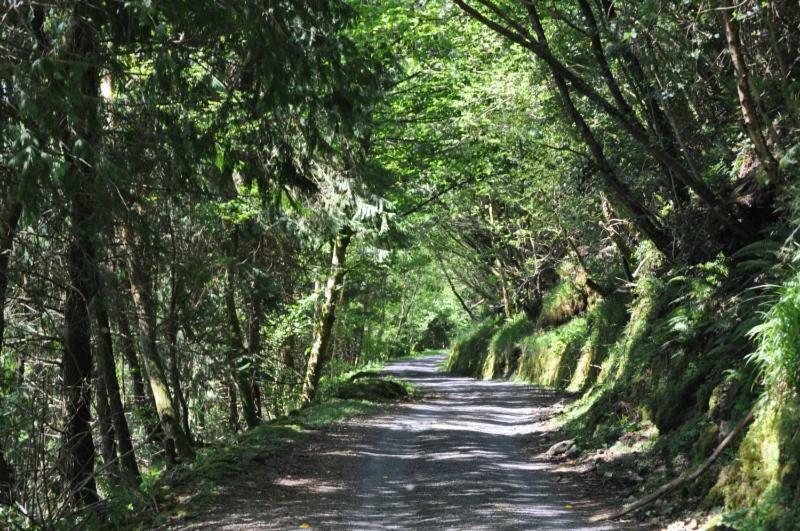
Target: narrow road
{"x": 452, "y": 460}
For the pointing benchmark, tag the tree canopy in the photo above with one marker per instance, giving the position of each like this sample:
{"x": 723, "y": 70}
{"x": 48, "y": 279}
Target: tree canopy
{"x": 212, "y": 209}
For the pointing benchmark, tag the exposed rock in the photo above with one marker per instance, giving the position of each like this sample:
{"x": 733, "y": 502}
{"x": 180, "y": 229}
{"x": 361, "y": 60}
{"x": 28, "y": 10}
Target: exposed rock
{"x": 725, "y": 427}
{"x": 560, "y": 448}
{"x": 572, "y": 452}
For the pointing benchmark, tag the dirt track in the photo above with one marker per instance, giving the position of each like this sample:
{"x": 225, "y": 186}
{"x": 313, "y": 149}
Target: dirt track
{"x": 451, "y": 460}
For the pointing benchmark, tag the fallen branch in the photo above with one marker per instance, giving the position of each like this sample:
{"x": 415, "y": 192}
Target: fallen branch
{"x": 685, "y": 478}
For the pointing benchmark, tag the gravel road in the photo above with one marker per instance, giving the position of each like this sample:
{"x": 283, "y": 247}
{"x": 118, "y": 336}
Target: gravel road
{"x": 451, "y": 460}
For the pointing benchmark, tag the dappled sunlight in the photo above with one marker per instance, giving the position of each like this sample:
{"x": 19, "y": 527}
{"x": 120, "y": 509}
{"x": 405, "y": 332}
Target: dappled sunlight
{"x": 311, "y": 485}
{"x": 452, "y": 460}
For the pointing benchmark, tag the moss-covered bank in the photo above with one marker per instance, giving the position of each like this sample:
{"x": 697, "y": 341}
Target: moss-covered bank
{"x": 682, "y": 356}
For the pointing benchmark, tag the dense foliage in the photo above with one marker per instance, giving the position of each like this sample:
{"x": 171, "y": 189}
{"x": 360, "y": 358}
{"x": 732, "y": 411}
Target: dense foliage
{"x": 212, "y": 210}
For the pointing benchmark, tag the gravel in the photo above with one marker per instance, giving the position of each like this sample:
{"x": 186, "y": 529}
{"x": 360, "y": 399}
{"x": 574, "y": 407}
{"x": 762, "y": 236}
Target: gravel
{"x": 450, "y": 460}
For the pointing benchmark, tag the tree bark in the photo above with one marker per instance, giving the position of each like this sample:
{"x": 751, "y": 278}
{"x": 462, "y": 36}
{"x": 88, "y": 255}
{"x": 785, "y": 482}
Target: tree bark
{"x": 610, "y": 226}
{"x": 233, "y": 406}
{"x": 128, "y": 344}
{"x": 747, "y": 102}
{"x": 239, "y": 366}
{"x": 9, "y": 219}
{"x": 253, "y": 346}
{"x": 107, "y": 443}
{"x": 6, "y": 481}
{"x": 106, "y": 368}
{"x": 144, "y": 304}
{"x": 180, "y": 405}
{"x": 320, "y": 350}
{"x": 78, "y": 452}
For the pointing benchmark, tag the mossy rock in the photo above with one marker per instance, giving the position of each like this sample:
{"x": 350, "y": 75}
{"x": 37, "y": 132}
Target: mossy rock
{"x": 365, "y": 374}
{"x": 372, "y": 389}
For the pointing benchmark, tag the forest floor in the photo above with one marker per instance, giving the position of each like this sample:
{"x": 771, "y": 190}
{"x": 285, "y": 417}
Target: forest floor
{"x": 458, "y": 457}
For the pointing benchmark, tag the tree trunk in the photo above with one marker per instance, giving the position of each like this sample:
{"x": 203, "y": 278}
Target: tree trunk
{"x": 106, "y": 368}
{"x": 747, "y": 102}
{"x": 610, "y": 224}
{"x": 144, "y": 304}
{"x": 77, "y": 452}
{"x": 180, "y": 405}
{"x": 9, "y": 219}
{"x": 78, "y": 448}
{"x": 128, "y": 344}
{"x": 239, "y": 366}
{"x": 108, "y": 444}
{"x": 6, "y": 481}
{"x": 253, "y": 346}
{"x": 233, "y": 406}
{"x": 327, "y": 316}
{"x": 498, "y": 272}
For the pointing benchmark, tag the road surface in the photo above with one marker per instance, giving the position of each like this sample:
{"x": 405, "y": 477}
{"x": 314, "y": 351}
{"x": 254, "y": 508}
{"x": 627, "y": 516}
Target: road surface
{"x": 451, "y": 460}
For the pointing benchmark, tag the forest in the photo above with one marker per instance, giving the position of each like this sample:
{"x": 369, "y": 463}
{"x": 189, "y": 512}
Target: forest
{"x": 213, "y": 214}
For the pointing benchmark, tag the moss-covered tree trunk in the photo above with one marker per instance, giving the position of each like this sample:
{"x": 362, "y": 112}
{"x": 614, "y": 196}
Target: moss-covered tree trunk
{"x": 320, "y": 347}
{"x": 144, "y": 304}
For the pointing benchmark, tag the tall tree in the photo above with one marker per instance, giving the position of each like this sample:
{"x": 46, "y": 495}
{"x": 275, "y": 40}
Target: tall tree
{"x": 81, "y": 139}
{"x": 326, "y": 316}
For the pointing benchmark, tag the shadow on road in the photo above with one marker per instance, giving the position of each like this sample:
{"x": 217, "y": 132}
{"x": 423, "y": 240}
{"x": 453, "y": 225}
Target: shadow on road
{"x": 452, "y": 460}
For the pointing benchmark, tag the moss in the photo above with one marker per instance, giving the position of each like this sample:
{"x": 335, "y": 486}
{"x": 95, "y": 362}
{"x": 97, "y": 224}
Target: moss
{"x": 764, "y": 475}
{"x": 566, "y": 300}
{"x": 606, "y": 321}
{"x": 550, "y": 358}
{"x": 502, "y": 357}
{"x": 372, "y": 389}
{"x": 670, "y": 360}
{"x": 468, "y": 353}
{"x": 623, "y": 375}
